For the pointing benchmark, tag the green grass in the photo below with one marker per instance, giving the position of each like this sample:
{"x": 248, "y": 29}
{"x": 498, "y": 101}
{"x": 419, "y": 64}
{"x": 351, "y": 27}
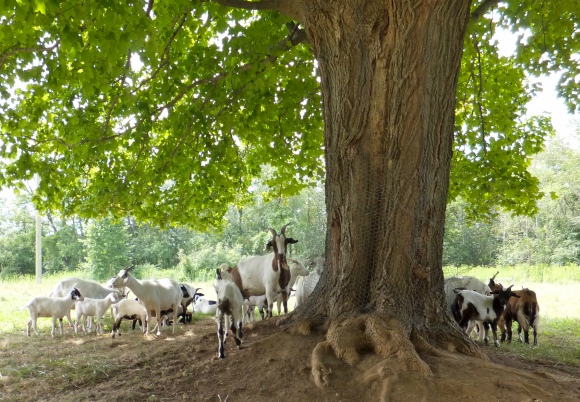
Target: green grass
{"x": 558, "y": 343}
{"x": 521, "y": 273}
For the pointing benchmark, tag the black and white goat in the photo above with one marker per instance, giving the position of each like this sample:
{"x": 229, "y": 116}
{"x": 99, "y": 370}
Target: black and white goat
{"x": 55, "y": 307}
{"x": 470, "y": 306}
{"x": 204, "y": 306}
{"x": 129, "y": 309}
{"x": 230, "y": 302}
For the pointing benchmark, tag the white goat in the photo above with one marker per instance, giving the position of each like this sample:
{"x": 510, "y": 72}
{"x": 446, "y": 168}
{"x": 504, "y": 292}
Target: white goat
{"x": 87, "y": 288}
{"x": 55, "y": 307}
{"x": 230, "y": 302}
{"x": 128, "y": 309}
{"x": 90, "y": 307}
{"x": 204, "y": 306}
{"x": 266, "y": 274}
{"x": 304, "y": 286}
{"x": 155, "y": 295}
{"x": 250, "y": 305}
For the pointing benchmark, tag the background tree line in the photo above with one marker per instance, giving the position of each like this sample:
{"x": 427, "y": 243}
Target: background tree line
{"x": 551, "y": 237}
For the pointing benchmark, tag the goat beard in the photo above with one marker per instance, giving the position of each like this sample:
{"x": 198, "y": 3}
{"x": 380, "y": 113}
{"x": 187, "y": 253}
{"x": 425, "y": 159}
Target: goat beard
{"x": 284, "y": 264}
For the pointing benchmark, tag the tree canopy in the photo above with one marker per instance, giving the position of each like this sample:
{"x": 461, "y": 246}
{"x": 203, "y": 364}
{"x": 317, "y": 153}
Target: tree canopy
{"x": 169, "y": 109}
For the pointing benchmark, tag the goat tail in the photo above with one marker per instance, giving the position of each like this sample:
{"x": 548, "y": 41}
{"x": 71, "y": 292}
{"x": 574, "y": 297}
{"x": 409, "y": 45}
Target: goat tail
{"x": 225, "y": 306}
{"x": 535, "y": 316}
{"x": 524, "y": 314}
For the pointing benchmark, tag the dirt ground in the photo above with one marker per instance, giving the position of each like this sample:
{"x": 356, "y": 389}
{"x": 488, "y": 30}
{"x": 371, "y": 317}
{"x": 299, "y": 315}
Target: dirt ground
{"x": 273, "y": 365}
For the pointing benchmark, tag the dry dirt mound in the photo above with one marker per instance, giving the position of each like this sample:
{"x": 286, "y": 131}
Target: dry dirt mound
{"x": 274, "y": 365}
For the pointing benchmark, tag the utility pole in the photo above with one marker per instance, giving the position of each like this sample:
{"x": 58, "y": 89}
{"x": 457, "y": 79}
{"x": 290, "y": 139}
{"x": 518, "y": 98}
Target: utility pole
{"x": 38, "y": 241}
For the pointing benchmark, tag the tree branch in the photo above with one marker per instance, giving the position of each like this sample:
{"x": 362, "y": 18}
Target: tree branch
{"x": 295, "y": 37}
{"x": 7, "y": 54}
{"x": 250, "y": 5}
{"x": 483, "y": 8}
{"x": 149, "y": 8}
{"x": 287, "y": 7}
{"x": 164, "y": 56}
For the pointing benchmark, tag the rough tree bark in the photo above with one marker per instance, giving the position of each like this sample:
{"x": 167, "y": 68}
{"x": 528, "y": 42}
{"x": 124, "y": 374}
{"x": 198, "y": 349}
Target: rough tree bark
{"x": 388, "y": 75}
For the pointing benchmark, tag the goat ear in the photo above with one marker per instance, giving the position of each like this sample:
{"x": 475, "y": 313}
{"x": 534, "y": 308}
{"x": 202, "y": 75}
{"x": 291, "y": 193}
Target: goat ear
{"x": 269, "y": 246}
{"x": 291, "y": 240}
{"x": 457, "y": 290}
{"x": 512, "y": 294}
{"x": 218, "y": 274}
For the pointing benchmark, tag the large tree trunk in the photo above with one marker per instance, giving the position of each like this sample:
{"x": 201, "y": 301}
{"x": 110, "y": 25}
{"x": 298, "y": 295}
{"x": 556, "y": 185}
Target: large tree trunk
{"x": 388, "y": 74}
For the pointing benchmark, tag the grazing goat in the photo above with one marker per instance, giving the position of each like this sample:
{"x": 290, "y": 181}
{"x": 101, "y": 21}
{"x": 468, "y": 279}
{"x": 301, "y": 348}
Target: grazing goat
{"x": 128, "y": 309}
{"x": 465, "y": 282}
{"x": 266, "y": 274}
{"x": 472, "y": 306}
{"x": 87, "y": 288}
{"x": 55, "y": 307}
{"x": 523, "y": 309}
{"x": 230, "y": 302}
{"x": 155, "y": 295}
{"x": 296, "y": 270}
{"x": 90, "y": 307}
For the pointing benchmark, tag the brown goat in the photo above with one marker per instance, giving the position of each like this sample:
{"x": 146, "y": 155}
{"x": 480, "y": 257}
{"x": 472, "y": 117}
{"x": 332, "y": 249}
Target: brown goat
{"x": 525, "y": 310}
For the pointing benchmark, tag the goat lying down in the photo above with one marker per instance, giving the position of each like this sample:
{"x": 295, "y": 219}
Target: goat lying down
{"x": 470, "y": 306}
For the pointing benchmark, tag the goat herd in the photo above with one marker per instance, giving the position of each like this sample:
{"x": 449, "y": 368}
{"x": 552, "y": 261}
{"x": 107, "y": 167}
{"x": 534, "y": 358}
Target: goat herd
{"x": 473, "y": 302}
{"x": 258, "y": 281}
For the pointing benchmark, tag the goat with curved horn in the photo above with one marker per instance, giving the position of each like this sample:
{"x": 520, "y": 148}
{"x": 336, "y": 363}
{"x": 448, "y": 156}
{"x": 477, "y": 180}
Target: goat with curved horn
{"x": 283, "y": 230}
{"x": 268, "y": 274}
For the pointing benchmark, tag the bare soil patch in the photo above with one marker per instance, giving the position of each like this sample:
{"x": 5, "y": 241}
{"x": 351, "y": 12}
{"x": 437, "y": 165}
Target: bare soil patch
{"x": 273, "y": 365}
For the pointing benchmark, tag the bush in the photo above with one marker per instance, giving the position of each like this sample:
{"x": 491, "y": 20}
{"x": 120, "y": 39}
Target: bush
{"x": 200, "y": 265}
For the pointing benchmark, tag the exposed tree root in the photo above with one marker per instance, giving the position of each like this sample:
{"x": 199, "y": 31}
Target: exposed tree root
{"x": 386, "y": 337}
{"x": 454, "y": 341}
{"x": 382, "y": 335}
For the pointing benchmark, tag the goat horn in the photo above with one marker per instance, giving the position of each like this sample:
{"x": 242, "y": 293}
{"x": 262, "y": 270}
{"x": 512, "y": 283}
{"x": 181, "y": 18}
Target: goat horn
{"x": 493, "y": 277}
{"x": 283, "y": 230}
{"x": 273, "y": 232}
